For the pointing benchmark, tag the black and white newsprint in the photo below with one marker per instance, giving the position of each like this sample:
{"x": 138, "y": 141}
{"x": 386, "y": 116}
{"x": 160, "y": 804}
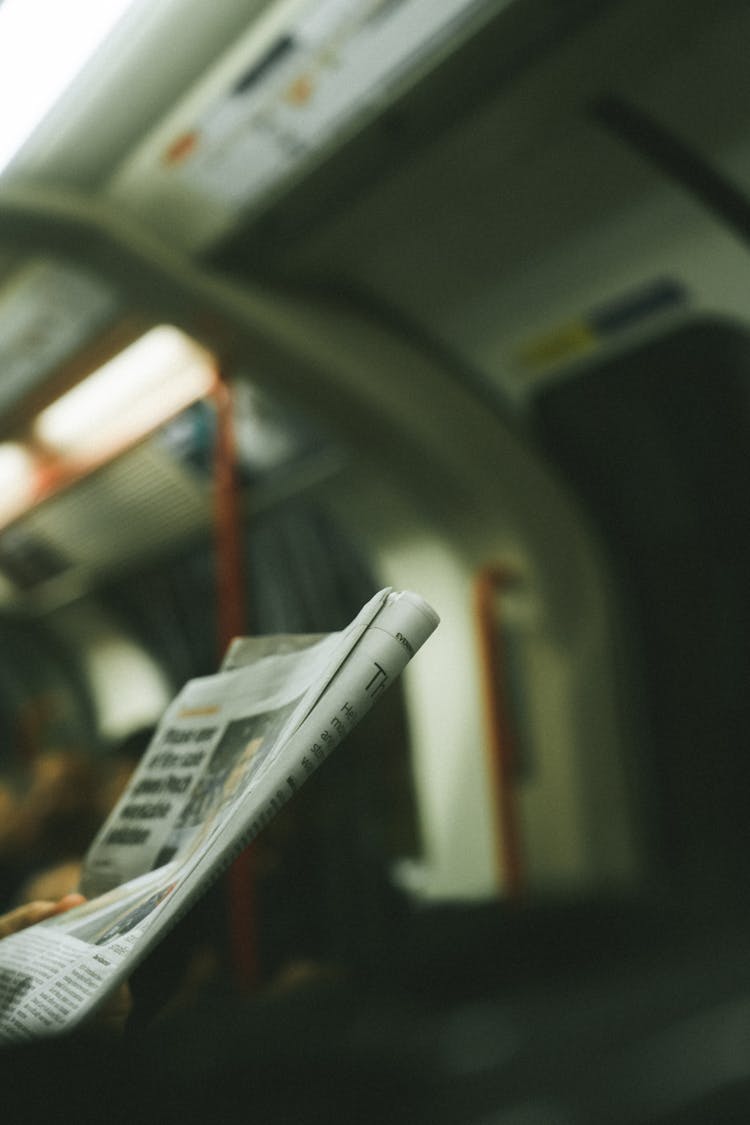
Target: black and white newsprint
{"x": 229, "y": 752}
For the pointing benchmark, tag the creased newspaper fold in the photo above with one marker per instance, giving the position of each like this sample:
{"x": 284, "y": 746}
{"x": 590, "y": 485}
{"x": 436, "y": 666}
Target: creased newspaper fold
{"x": 229, "y": 752}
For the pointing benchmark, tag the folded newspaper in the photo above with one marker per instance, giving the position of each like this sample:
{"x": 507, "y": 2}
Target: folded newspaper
{"x": 229, "y": 752}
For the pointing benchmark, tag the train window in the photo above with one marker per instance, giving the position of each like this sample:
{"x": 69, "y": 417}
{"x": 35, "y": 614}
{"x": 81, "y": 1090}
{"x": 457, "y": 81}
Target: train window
{"x": 656, "y": 443}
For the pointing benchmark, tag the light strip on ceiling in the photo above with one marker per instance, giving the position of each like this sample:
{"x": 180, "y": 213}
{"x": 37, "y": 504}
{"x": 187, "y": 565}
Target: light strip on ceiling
{"x": 18, "y": 479}
{"x": 44, "y": 44}
{"x": 130, "y": 396}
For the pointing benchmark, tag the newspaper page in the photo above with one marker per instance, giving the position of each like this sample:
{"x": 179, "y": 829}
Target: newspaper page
{"x": 230, "y": 751}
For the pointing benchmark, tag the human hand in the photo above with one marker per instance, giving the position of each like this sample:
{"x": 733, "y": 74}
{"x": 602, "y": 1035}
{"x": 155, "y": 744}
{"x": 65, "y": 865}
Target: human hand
{"x": 32, "y": 912}
{"x": 113, "y": 1013}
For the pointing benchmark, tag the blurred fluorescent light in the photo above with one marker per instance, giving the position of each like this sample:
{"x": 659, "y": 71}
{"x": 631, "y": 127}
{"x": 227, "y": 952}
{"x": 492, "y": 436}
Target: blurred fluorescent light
{"x": 18, "y": 479}
{"x": 43, "y": 46}
{"x": 130, "y": 396}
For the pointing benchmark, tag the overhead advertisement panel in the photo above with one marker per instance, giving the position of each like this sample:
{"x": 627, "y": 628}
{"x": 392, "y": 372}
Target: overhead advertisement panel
{"x": 306, "y": 78}
{"x": 48, "y": 311}
{"x": 337, "y": 59}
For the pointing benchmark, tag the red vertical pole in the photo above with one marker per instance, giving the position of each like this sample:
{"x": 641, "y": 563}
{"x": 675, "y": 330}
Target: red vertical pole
{"x": 231, "y": 621}
{"x": 230, "y": 600}
{"x": 502, "y": 752}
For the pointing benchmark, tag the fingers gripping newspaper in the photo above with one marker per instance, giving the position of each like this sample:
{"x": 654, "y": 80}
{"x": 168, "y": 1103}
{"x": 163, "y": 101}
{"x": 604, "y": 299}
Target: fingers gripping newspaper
{"x": 230, "y": 751}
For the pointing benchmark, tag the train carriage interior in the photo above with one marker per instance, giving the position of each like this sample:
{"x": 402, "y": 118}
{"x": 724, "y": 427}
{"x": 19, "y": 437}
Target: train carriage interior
{"x": 300, "y": 299}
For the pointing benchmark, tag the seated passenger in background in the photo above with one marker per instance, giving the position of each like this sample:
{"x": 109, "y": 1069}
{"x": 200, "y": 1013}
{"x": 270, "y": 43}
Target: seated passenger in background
{"x": 51, "y": 819}
{"x": 46, "y": 829}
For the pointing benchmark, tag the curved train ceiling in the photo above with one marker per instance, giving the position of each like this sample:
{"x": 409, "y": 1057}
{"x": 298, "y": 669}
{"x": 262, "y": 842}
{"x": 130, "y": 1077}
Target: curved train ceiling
{"x": 448, "y": 178}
